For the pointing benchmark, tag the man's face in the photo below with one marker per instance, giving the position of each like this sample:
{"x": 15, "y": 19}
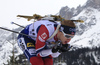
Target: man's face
{"x": 68, "y": 37}
{"x": 65, "y": 38}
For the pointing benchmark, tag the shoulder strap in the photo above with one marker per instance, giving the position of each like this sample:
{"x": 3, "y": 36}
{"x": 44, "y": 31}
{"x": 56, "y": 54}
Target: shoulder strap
{"x": 54, "y": 32}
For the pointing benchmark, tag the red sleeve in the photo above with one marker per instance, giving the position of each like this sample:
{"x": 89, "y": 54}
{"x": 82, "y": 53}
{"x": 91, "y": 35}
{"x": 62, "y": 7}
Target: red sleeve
{"x": 42, "y": 36}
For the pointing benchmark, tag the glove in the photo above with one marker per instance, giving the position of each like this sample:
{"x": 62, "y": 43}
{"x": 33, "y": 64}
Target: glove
{"x": 61, "y": 48}
{"x": 65, "y": 48}
{"x": 56, "y": 48}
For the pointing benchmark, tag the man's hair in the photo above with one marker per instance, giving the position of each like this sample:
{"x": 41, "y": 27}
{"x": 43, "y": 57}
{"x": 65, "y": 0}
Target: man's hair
{"x": 68, "y": 23}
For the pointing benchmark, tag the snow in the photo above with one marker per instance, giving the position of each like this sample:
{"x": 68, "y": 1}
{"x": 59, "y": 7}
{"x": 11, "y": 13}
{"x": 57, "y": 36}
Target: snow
{"x": 90, "y": 35}
{"x": 5, "y": 53}
{"x": 60, "y": 63}
{"x": 6, "y": 48}
{"x": 96, "y": 59}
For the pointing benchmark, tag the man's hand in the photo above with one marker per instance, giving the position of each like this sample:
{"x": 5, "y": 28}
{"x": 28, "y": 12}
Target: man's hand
{"x": 56, "y": 48}
{"x": 65, "y": 48}
{"x": 61, "y": 48}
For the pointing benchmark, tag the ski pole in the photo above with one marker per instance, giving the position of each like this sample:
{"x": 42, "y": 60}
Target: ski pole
{"x": 17, "y": 24}
{"x": 15, "y": 32}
